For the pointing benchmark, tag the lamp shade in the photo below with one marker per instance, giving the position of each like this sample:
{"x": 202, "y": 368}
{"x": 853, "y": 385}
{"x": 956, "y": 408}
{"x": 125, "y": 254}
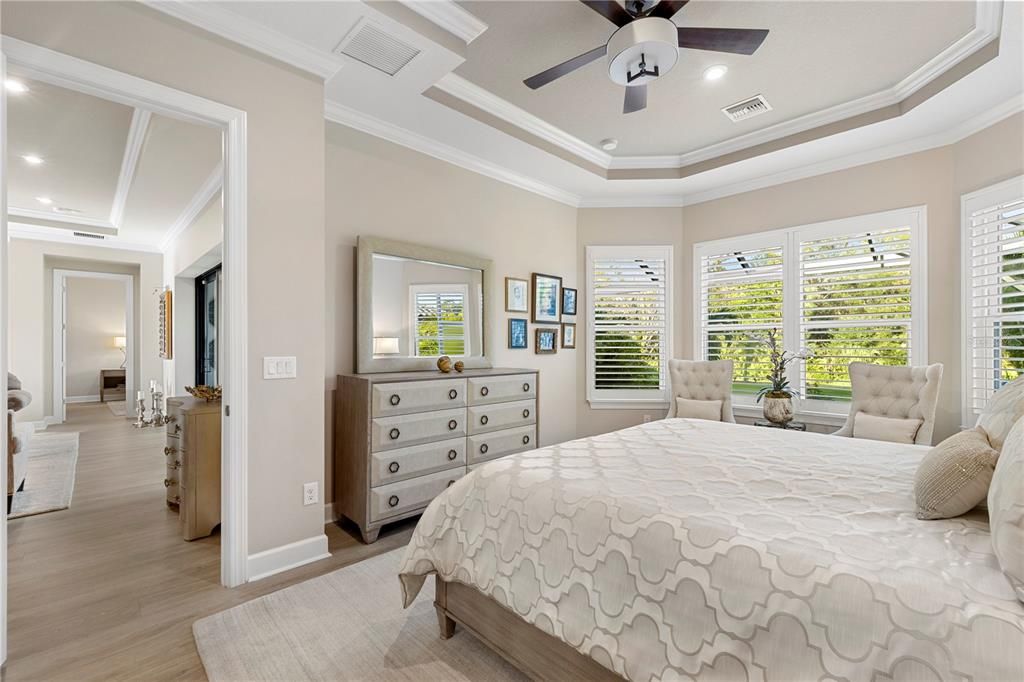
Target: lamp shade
{"x": 385, "y": 345}
{"x": 120, "y": 342}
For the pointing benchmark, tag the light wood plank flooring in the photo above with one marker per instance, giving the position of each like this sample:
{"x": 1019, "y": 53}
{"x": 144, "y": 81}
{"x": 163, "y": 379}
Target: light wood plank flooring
{"x": 108, "y": 590}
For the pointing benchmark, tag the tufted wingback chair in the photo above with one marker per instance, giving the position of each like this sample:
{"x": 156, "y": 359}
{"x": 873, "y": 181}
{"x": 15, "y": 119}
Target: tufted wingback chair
{"x": 701, "y": 380}
{"x": 895, "y": 392}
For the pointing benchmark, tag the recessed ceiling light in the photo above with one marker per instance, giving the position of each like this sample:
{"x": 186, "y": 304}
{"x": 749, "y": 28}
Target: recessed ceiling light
{"x": 32, "y": 159}
{"x": 609, "y": 144}
{"x": 713, "y": 73}
{"x": 14, "y": 86}
{"x": 46, "y": 201}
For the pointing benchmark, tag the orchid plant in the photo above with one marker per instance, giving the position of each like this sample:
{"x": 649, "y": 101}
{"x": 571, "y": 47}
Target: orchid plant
{"x": 780, "y": 359}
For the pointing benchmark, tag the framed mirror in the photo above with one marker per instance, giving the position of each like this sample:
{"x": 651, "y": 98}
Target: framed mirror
{"x": 415, "y": 303}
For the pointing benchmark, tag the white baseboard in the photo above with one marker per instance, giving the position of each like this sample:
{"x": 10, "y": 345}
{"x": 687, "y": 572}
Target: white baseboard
{"x": 285, "y": 557}
{"x": 81, "y": 399}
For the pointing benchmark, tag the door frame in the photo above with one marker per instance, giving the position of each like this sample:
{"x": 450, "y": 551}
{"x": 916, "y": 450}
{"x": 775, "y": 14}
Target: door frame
{"x": 60, "y": 336}
{"x": 46, "y": 65}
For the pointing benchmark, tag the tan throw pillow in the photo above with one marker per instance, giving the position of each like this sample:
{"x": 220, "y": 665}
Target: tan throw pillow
{"x": 885, "y": 428}
{"x": 1003, "y": 411}
{"x": 699, "y": 409}
{"x": 954, "y": 476}
{"x": 1006, "y": 508}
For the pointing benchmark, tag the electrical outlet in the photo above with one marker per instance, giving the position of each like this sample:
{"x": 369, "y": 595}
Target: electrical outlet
{"x": 310, "y": 493}
{"x": 647, "y": 418}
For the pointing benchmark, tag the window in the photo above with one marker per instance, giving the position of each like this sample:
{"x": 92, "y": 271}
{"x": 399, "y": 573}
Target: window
{"x": 439, "y": 319}
{"x": 848, "y": 290}
{"x": 993, "y": 291}
{"x": 628, "y": 335}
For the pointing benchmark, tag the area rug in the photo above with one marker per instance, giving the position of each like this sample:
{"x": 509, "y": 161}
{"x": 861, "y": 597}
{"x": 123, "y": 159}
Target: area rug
{"x": 49, "y": 475}
{"x": 118, "y": 407}
{"x": 346, "y": 625}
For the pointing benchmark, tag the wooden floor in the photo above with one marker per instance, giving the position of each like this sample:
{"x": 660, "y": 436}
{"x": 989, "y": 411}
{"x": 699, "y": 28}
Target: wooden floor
{"x": 108, "y": 589}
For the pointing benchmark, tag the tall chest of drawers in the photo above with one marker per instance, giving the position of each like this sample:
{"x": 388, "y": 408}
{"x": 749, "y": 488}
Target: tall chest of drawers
{"x": 402, "y": 438}
{"x": 193, "y": 464}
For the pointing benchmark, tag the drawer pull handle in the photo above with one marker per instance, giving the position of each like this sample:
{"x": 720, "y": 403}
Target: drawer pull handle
{"x": 452, "y": 454}
{"x": 393, "y": 467}
{"x": 484, "y": 391}
{"x": 167, "y": 482}
{"x": 483, "y": 449}
{"x": 394, "y": 434}
{"x": 177, "y": 428}
{"x": 453, "y": 394}
{"x": 526, "y": 439}
{"x": 483, "y": 419}
{"x": 168, "y": 451}
{"x": 452, "y": 424}
{"x": 171, "y": 419}
{"x": 393, "y": 501}
{"x": 450, "y": 484}
{"x": 526, "y": 388}
{"x": 395, "y": 399}
{"x": 526, "y": 414}
{"x": 176, "y": 465}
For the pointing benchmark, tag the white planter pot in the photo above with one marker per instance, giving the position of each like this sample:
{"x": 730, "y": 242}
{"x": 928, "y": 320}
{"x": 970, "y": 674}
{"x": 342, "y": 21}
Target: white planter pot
{"x": 778, "y": 410}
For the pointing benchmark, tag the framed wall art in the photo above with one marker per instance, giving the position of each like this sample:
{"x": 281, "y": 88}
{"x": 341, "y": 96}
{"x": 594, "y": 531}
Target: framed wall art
{"x": 517, "y": 295}
{"x": 546, "y": 341}
{"x": 517, "y": 337}
{"x": 568, "y": 301}
{"x": 547, "y": 298}
{"x": 568, "y": 335}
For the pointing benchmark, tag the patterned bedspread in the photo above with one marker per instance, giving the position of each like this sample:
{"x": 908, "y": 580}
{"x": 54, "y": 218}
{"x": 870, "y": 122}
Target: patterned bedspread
{"x": 686, "y": 548}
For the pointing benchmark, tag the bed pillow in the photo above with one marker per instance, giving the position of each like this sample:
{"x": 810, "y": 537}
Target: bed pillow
{"x": 1003, "y": 411}
{"x": 1006, "y": 508}
{"x": 699, "y": 409}
{"x": 885, "y": 428}
{"x": 954, "y": 476}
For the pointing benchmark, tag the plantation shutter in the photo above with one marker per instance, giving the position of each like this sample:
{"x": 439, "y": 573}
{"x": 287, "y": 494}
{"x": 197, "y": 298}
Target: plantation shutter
{"x": 629, "y": 306}
{"x": 994, "y": 277}
{"x": 741, "y": 299}
{"x": 855, "y": 296}
{"x": 440, "y": 322}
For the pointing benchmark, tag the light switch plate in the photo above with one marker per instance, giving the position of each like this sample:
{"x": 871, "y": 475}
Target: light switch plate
{"x": 280, "y": 367}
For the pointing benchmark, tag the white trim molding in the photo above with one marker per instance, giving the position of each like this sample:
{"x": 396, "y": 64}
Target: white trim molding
{"x": 65, "y": 236}
{"x": 83, "y": 399}
{"x": 72, "y": 222}
{"x": 130, "y": 161}
{"x": 251, "y": 34}
{"x": 450, "y": 16}
{"x": 283, "y": 558}
{"x": 207, "y": 191}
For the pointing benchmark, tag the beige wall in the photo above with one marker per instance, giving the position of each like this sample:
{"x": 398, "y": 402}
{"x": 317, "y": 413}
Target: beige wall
{"x": 380, "y": 189}
{"x": 95, "y": 315}
{"x": 285, "y": 230}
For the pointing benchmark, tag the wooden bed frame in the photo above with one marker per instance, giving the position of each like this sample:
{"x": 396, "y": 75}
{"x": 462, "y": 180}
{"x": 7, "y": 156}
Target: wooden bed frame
{"x": 533, "y": 651}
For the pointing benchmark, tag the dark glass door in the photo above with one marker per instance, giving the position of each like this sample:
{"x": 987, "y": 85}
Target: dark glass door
{"x": 207, "y": 324}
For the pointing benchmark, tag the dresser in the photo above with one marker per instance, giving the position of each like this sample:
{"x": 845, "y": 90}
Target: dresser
{"x": 192, "y": 451}
{"x": 402, "y": 438}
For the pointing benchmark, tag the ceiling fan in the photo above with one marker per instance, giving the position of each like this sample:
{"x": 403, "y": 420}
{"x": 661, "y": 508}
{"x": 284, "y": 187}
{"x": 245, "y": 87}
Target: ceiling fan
{"x": 646, "y": 46}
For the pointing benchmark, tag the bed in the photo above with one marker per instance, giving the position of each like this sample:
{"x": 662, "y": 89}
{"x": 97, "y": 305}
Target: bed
{"x": 686, "y": 548}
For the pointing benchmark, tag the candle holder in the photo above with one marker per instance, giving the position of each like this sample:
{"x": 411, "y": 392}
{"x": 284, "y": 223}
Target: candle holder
{"x": 140, "y": 414}
{"x": 158, "y": 410}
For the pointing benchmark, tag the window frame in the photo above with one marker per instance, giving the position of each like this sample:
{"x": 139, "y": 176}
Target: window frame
{"x": 416, "y": 289}
{"x": 998, "y": 193}
{"x": 605, "y": 399}
{"x": 827, "y": 412}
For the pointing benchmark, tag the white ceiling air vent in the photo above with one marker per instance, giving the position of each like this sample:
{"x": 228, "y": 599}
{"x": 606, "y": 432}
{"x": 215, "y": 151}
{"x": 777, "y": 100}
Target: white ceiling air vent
{"x": 89, "y": 235}
{"x": 748, "y": 108}
{"x": 374, "y": 47}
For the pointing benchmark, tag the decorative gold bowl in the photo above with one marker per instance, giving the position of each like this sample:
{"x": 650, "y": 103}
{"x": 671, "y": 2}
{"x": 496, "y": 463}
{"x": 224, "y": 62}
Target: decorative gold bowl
{"x": 207, "y": 393}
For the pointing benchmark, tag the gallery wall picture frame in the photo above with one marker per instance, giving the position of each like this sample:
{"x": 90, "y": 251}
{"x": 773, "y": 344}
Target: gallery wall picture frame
{"x": 518, "y": 339}
{"x": 547, "y": 299}
{"x": 165, "y": 341}
{"x": 546, "y": 341}
{"x": 568, "y": 335}
{"x": 517, "y": 295}
{"x": 569, "y": 296}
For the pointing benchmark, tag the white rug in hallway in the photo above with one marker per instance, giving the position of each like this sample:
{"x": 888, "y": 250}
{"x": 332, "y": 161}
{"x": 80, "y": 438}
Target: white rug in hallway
{"x": 49, "y": 476}
{"x": 346, "y": 625}
{"x": 118, "y": 407}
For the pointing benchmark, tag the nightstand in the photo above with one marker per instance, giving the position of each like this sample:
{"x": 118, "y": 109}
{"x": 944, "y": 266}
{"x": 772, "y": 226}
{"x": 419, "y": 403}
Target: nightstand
{"x": 791, "y": 426}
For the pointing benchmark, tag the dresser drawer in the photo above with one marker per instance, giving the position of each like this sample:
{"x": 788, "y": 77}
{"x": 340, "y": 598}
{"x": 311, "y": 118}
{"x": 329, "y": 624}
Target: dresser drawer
{"x": 388, "y": 433}
{"x": 485, "y": 446}
{"x": 405, "y": 496}
{"x": 417, "y": 396}
{"x": 485, "y": 418}
{"x": 502, "y": 389}
{"x": 403, "y": 463}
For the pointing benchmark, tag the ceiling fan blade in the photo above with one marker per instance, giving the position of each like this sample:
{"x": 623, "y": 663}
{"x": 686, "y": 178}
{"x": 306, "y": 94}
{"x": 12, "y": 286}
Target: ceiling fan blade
{"x": 636, "y": 99}
{"x": 735, "y": 40}
{"x": 610, "y": 10}
{"x": 567, "y": 67}
{"x": 666, "y": 9}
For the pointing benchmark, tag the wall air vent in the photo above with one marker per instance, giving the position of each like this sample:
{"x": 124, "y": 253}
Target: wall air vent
{"x": 89, "y": 235}
{"x": 375, "y": 47}
{"x": 748, "y": 108}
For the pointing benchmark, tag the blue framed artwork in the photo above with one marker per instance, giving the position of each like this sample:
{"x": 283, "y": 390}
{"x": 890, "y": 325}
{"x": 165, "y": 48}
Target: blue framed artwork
{"x": 547, "y": 298}
{"x": 568, "y": 301}
{"x": 517, "y": 333}
{"x": 547, "y": 341}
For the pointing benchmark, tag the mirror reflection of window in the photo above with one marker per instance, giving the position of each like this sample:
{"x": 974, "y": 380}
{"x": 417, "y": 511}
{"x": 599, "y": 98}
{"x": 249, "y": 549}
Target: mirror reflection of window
{"x": 207, "y": 323}
{"x": 439, "y": 320}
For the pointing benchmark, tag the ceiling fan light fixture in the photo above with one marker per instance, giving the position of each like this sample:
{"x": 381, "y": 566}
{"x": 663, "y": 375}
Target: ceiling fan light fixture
{"x": 714, "y": 73}
{"x": 609, "y": 144}
{"x": 650, "y": 40}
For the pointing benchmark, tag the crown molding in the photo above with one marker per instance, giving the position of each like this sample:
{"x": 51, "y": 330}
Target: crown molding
{"x": 83, "y": 222}
{"x": 250, "y": 34}
{"x": 132, "y": 152}
{"x": 64, "y": 236}
{"x": 338, "y": 113}
{"x": 207, "y": 191}
{"x": 449, "y": 16}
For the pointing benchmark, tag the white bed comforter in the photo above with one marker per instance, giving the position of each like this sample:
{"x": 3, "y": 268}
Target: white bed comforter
{"x": 687, "y": 548}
